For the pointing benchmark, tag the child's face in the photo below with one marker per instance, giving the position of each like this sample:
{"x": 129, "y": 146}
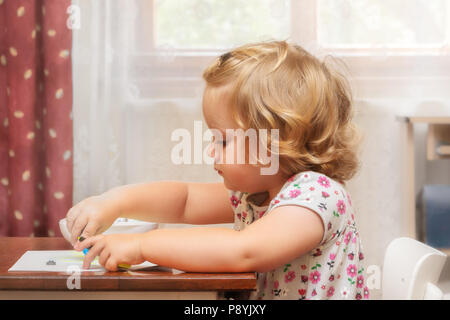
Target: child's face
{"x": 245, "y": 177}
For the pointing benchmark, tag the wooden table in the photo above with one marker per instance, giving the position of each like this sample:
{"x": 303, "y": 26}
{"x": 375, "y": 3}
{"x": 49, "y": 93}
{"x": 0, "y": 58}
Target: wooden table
{"x": 152, "y": 283}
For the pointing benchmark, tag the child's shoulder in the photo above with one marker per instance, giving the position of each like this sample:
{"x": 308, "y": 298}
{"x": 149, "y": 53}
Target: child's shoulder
{"x": 311, "y": 177}
{"x": 300, "y": 186}
{"x": 308, "y": 187}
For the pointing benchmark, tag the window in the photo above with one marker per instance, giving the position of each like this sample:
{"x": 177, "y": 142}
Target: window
{"x": 175, "y": 39}
{"x": 413, "y": 24}
{"x": 212, "y": 24}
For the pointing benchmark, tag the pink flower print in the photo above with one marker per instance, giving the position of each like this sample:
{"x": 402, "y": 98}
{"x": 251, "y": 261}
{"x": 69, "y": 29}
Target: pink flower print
{"x": 361, "y": 256}
{"x": 366, "y": 293}
{"x": 294, "y": 193}
{"x": 358, "y": 296}
{"x": 318, "y": 253}
{"x": 312, "y": 188}
{"x": 330, "y": 292}
{"x": 331, "y": 278}
{"x": 349, "y": 200}
{"x": 324, "y": 182}
{"x": 305, "y": 177}
{"x": 234, "y": 201}
{"x": 314, "y": 277}
{"x": 325, "y": 194}
{"x": 291, "y": 178}
{"x": 304, "y": 279}
{"x": 244, "y": 215}
{"x": 302, "y": 292}
{"x": 354, "y": 239}
{"x": 332, "y": 256}
{"x": 261, "y": 213}
{"x": 314, "y": 293}
{"x": 360, "y": 281}
{"x": 276, "y": 284}
{"x": 351, "y": 270}
{"x": 341, "y": 207}
{"x": 344, "y": 293}
{"x": 303, "y": 266}
{"x": 351, "y": 256}
{"x": 289, "y": 276}
{"x": 323, "y": 287}
{"x": 348, "y": 237}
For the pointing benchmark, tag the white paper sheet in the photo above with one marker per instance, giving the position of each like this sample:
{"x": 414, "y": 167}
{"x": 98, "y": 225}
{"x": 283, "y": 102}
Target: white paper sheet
{"x": 61, "y": 261}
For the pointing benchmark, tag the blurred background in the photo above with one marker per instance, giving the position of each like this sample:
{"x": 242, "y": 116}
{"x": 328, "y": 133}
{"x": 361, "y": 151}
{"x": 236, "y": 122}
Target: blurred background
{"x": 91, "y": 91}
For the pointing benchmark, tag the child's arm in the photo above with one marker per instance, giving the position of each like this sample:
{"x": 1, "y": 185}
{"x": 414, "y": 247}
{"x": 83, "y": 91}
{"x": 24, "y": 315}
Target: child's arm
{"x": 175, "y": 202}
{"x": 163, "y": 201}
{"x": 282, "y": 235}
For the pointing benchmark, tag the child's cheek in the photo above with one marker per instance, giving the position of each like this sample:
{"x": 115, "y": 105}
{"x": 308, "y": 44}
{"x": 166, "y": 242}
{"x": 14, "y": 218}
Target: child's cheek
{"x": 239, "y": 176}
{"x": 238, "y": 150}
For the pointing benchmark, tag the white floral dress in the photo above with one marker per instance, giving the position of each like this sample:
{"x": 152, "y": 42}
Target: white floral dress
{"x": 333, "y": 270}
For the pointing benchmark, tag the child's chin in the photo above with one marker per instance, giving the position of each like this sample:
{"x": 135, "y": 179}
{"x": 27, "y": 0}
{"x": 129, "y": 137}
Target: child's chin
{"x": 231, "y": 186}
{"x": 227, "y": 184}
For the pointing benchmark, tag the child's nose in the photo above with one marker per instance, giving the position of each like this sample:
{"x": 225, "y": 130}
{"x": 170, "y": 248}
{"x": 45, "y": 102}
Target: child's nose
{"x": 211, "y": 151}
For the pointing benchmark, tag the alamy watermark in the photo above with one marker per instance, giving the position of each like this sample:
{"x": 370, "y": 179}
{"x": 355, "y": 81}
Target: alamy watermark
{"x": 74, "y": 19}
{"x": 235, "y": 152}
{"x": 74, "y": 280}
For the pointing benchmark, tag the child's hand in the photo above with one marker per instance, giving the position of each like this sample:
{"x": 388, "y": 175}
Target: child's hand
{"x": 113, "y": 249}
{"x": 92, "y": 216}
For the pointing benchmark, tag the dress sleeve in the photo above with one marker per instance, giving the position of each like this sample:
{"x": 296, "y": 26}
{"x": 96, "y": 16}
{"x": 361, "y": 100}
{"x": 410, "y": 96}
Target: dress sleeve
{"x": 319, "y": 193}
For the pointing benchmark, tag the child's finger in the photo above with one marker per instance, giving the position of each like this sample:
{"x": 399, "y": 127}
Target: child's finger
{"x": 103, "y": 257}
{"x": 71, "y": 217}
{"x": 77, "y": 228}
{"x": 111, "y": 264}
{"x": 89, "y": 230}
{"x": 87, "y": 242}
{"x": 92, "y": 253}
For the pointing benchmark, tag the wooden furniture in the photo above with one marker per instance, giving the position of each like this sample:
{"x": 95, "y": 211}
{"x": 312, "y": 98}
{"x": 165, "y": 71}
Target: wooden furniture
{"x": 152, "y": 283}
{"x": 438, "y": 147}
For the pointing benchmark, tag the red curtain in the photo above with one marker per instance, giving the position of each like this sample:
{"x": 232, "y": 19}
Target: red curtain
{"x": 36, "y": 143}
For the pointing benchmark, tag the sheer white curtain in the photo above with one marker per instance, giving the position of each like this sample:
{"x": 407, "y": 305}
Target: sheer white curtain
{"x": 123, "y": 121}
{"x": 137, "y": 78}
{"x": 100, "y": 76}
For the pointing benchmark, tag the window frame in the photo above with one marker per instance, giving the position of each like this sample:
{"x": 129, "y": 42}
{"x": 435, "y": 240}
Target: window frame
{"x": 182, "y": 71}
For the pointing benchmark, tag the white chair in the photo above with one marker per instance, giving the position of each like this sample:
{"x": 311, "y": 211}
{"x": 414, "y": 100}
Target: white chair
{"x": 411, "y": 270}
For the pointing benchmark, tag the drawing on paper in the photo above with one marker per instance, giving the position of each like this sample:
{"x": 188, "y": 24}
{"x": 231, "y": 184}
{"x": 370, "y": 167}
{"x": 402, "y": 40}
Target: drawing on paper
{"x": 60, "y": 261}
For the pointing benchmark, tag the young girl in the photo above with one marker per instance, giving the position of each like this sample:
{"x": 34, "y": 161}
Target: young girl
{"x": 296, "y": 228}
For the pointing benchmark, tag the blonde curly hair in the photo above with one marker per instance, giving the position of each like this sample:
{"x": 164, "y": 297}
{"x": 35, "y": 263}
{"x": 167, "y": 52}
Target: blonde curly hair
{"x": 279, "y": 85}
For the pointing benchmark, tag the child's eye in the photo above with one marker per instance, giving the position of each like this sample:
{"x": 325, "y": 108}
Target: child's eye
{"x": 220, "y": 142}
